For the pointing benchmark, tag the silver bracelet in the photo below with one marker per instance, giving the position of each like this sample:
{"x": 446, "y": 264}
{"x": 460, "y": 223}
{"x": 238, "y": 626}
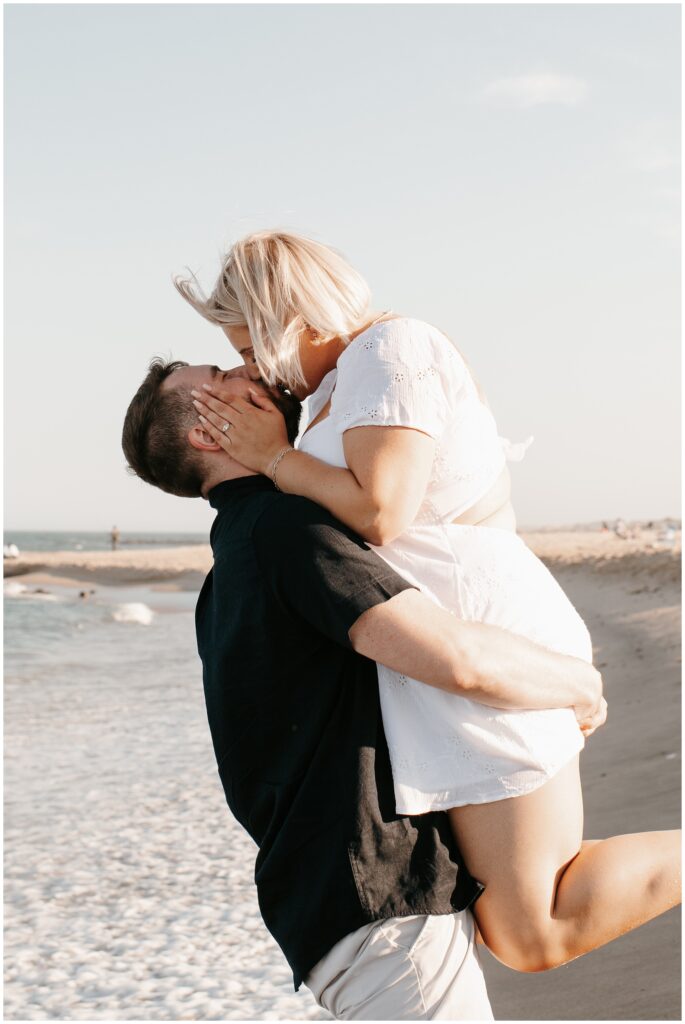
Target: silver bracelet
{"x": 274, "y": 464}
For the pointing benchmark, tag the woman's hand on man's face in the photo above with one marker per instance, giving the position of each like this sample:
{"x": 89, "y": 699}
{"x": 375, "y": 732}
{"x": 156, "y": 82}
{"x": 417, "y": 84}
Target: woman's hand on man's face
{"x": 252, "y": 432}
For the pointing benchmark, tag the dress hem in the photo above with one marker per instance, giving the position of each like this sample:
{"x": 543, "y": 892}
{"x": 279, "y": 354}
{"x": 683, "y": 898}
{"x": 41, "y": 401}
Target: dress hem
{"x": 448, "y": 798}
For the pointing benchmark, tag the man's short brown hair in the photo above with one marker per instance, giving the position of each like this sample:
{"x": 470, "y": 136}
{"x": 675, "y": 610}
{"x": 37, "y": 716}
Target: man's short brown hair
{"x": 155, "y": 439}
{"x": 155, "y": 435}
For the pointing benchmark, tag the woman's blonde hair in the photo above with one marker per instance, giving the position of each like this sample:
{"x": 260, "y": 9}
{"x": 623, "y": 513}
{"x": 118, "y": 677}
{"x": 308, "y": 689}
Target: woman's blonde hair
{"x": 276, "y": 284}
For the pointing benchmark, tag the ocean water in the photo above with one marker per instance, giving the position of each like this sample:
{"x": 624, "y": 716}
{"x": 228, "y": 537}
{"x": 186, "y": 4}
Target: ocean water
{"x": 60, "y": 632}
{"x": 61, "y": 540}
{"x": 53, "y": 628}
{"x": 53, "y": 635}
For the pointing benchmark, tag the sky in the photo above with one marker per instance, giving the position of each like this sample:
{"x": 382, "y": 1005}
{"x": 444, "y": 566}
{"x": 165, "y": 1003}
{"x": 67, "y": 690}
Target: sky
{"x": 509, "y": 173}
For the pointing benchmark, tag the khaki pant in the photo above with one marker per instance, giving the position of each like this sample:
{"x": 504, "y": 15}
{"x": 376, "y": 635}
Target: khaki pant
{"x": 404, "y": 968}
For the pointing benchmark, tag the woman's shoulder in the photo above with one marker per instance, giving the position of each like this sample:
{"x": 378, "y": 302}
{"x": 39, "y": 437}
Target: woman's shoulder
{"x": 407, "y": 340}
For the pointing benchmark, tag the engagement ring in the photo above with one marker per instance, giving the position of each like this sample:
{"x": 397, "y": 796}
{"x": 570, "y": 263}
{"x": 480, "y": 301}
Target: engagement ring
{"x": 226, "y": 426}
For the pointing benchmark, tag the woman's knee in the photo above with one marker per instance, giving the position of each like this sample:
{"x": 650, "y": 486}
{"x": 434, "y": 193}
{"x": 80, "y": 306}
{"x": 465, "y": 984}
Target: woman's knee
{"x": 533, "y": 947}
{"x": 532, "y": 958}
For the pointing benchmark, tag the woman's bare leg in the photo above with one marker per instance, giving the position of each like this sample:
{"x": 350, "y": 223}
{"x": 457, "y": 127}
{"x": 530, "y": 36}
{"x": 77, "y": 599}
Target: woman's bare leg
{"x": 549, "y": 897}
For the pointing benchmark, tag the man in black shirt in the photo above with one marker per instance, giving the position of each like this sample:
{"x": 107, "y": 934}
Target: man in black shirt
{"x": 290, "y": 622}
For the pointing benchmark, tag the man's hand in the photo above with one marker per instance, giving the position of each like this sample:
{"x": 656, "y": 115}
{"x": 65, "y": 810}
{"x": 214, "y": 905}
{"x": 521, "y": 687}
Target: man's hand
{"x": 591, "y": 718}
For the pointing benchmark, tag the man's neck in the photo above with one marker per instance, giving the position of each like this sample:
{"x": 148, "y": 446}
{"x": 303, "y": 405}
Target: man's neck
{"x": 228, "y": 469}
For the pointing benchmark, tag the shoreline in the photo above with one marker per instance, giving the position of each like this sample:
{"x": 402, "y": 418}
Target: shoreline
{"x": 186, "y": 567}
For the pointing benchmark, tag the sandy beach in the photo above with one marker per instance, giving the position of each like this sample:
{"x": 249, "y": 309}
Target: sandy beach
{"x": 631, "y": 772}
{"x": 128, "y": 891}
{"x": 185, "y": 567}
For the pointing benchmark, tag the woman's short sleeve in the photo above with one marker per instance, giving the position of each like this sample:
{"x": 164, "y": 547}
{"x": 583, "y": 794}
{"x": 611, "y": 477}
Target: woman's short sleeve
{"x": 401, "y": 373}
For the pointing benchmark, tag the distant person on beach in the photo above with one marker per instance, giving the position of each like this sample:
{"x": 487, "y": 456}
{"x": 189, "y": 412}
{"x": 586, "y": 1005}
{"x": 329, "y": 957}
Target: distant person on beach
{"x": 402, "y": 447}
{"x": 370, "y": 906}
{"x": 114, "y": 537}
{"x": 621, "y": 530}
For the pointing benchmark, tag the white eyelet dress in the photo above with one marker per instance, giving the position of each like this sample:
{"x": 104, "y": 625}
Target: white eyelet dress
{"x": 445, "y": 750}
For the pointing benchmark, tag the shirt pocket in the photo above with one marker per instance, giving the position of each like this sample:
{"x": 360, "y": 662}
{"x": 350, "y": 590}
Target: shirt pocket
{"x": 380, "y": 856}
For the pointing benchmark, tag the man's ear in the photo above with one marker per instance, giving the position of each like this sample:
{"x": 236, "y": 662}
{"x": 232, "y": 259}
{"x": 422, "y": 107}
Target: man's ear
{"x": 204, "y": 442}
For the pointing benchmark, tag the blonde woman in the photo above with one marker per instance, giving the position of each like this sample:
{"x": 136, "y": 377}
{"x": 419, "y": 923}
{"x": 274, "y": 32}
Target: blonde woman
{"x": 402, "y": 447}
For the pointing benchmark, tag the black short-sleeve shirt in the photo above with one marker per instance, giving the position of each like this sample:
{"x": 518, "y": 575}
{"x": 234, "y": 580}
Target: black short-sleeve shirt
{"x": 295, "y": 720}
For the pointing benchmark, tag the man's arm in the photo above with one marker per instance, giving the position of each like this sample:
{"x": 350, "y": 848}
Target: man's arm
{"x": 326, "y": 575}
{"x": 411, "y": 634}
